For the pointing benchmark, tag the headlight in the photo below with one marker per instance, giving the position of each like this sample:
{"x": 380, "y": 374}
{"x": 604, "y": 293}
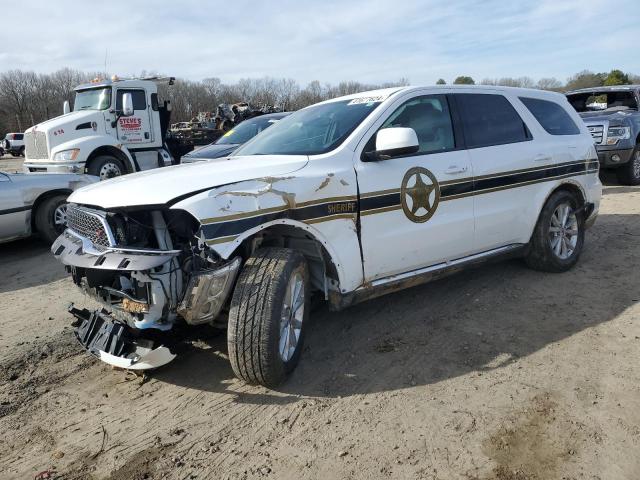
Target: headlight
{"x": 66, "y": 155}
{"x": 615, "y": 134}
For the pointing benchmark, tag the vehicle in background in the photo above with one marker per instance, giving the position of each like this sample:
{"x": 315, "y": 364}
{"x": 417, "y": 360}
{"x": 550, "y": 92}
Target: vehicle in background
{"x": 116, "y": 127}
{"x": 345, "y": 200}
{"x": 613, "y": 119}
{"x": 234, "y": 138}
{"x": 36, "y": 203}
{"x": 207, "y": 127}
{"x": 13, "y": 143}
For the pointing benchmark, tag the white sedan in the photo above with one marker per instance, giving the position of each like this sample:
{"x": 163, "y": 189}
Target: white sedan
{"x": 31, "y": 203}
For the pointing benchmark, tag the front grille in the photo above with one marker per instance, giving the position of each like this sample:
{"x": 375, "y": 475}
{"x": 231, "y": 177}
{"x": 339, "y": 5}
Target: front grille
{"x": 89, "y": 224}
{"x": 35, "y": 145}
{"x": 597, "y": 132}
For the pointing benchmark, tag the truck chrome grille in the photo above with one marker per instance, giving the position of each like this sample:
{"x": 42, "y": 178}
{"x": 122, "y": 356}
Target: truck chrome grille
{"x": 35, "y": 145}
{"x": 91, "y": 225}
{"x": 597, "y": 132}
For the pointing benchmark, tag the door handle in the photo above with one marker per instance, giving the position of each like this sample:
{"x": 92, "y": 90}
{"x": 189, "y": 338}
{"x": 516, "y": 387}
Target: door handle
{"x": 454, "y": 169}
{"x": 542, "y": 158}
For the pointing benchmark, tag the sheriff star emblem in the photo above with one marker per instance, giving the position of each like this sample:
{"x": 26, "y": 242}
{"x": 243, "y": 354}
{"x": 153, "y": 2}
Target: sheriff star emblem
{"x": 419, "y": 194}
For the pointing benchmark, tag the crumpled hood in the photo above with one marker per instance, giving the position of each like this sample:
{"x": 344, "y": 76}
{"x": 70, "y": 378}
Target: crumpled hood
{"x": 162, "y": 185}
{"x": 69, "y": 121}
{"x": 621, "y": 117}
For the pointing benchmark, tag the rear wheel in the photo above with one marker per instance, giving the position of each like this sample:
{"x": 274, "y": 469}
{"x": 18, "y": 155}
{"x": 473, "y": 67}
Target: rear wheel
{"x": 106, "y": 167}
{"x": 268, "y": 313}
{"x": 629, "y": 174}
{"x": 51, "y": 217}
{"x": 557, "y": 240}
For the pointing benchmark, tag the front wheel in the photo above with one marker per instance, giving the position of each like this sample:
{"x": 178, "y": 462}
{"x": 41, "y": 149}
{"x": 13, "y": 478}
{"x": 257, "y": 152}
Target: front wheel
{"x": 629, "y": 174}
{"x": 51, "y": 217}
{"x": 268, "y": 314}
{"x": 106, "y": 167}
{"x": 558, "y": 237}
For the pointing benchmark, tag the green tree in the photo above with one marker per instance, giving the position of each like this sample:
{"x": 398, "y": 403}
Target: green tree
{"x": 441, "y": 82}
{"x": 585, "y": 79}
{"x": 464, "y": 80}
{"x": 616, "y": 77}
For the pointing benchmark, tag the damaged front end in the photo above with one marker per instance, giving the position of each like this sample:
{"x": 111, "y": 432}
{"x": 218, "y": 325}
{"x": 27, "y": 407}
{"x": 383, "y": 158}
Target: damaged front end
{"x": 149, "y": 270}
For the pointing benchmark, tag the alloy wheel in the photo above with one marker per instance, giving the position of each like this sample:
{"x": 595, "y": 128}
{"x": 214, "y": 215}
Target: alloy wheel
{"x": 292, "y": 316}
{"x": 60, "y": 218}
{"x": 563, "y": 231}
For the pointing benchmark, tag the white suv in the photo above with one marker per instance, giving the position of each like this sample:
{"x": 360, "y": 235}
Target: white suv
{"x": 13, "y": 143}
{"x": 348, "y": 199}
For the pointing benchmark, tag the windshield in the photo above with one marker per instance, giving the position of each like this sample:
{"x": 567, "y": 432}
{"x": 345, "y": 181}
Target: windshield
{"x": 245, "y": 131}
{"x": 93, "y": 99}
{"x": 311, "y": 131}
{"x": 603, "y": 100}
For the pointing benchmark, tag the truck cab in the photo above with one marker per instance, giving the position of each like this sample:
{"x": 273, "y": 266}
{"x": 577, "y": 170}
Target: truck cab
{"x": 116, "y": 127}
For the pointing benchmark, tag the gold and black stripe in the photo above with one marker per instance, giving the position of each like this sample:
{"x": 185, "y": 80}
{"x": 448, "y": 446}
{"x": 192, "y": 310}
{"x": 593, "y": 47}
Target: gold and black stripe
{"x": 227, "y": 228}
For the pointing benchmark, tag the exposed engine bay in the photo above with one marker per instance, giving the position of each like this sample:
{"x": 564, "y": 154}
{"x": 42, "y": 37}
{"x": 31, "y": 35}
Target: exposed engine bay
{"x": 146, "y": 268}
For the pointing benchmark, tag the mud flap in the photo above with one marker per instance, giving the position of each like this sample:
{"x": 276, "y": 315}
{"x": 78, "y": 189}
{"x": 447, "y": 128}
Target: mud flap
{"x": 114, "y": 343}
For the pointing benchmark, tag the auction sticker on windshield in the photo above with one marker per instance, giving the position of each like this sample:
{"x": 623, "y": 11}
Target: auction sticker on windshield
{"x": 371, "y": 99}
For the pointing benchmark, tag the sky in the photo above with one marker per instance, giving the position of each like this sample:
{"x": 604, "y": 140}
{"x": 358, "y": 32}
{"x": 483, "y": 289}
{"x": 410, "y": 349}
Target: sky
{"x": 371, "y": 41}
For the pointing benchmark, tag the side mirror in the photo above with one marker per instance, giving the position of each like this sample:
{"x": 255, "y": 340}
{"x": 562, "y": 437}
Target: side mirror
{"x": 127, "y": 105}
{"x": 396, "y": 141}
{"x": 65, "y": 107}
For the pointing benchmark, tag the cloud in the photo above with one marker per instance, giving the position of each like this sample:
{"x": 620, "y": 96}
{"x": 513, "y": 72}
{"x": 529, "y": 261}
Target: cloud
{"x": 366, "y": 40}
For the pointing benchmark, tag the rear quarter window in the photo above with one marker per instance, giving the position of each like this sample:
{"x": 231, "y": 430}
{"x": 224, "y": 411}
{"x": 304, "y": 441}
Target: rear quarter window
{"x": 553, "y": 118}
{"x": 19, "y": 136}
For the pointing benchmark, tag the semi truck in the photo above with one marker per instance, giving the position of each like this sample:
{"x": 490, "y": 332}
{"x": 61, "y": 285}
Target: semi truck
{"x": 117, "y": 126}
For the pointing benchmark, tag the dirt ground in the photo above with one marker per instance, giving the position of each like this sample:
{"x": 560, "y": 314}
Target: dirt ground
{"x": 500, "y": 373}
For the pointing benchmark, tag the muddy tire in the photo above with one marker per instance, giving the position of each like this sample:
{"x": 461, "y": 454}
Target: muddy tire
{"x": 558, "y": 237}
{"x": 51, "y": 217}
{"x": 106, "y": 167}
{"x": 629, "y": 174}
{"x": 269, "y": 310}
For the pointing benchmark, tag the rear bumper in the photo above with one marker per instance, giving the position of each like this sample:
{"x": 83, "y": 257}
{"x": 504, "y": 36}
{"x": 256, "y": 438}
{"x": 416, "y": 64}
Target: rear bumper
{"x": 614, "y": 158}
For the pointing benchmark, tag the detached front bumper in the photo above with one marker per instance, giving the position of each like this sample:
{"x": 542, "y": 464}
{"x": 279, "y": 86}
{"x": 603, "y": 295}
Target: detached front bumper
{"x": 34, "y": 166}
{"x": 119, "y": 345}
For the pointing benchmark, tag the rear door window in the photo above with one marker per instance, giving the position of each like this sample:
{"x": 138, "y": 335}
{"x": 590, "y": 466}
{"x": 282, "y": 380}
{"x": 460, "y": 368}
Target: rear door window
{"x": 553, "y": 118}
{"x": 490, "y": 119}
{"x": 19, "y": 136}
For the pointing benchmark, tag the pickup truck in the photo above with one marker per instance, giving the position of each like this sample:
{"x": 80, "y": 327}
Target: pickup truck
{"x": 13, "y": 143}
{"x": 345, "y": 200}
{"x": 613, "y": 119}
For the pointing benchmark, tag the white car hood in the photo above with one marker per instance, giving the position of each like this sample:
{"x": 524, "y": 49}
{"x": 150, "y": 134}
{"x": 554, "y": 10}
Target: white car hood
{"x": 71, "y": 119}
{"x": 162, "y": 185}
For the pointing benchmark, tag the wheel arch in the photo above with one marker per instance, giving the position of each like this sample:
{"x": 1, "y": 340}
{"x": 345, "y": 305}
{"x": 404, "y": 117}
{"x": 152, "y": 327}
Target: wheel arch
{"x": 572, "y": 187}
{"x": 44, "y": 197}
{"x": 567, "y": 185}
{"x": 325, "y": 270}
{"x": 120, "y": 154}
